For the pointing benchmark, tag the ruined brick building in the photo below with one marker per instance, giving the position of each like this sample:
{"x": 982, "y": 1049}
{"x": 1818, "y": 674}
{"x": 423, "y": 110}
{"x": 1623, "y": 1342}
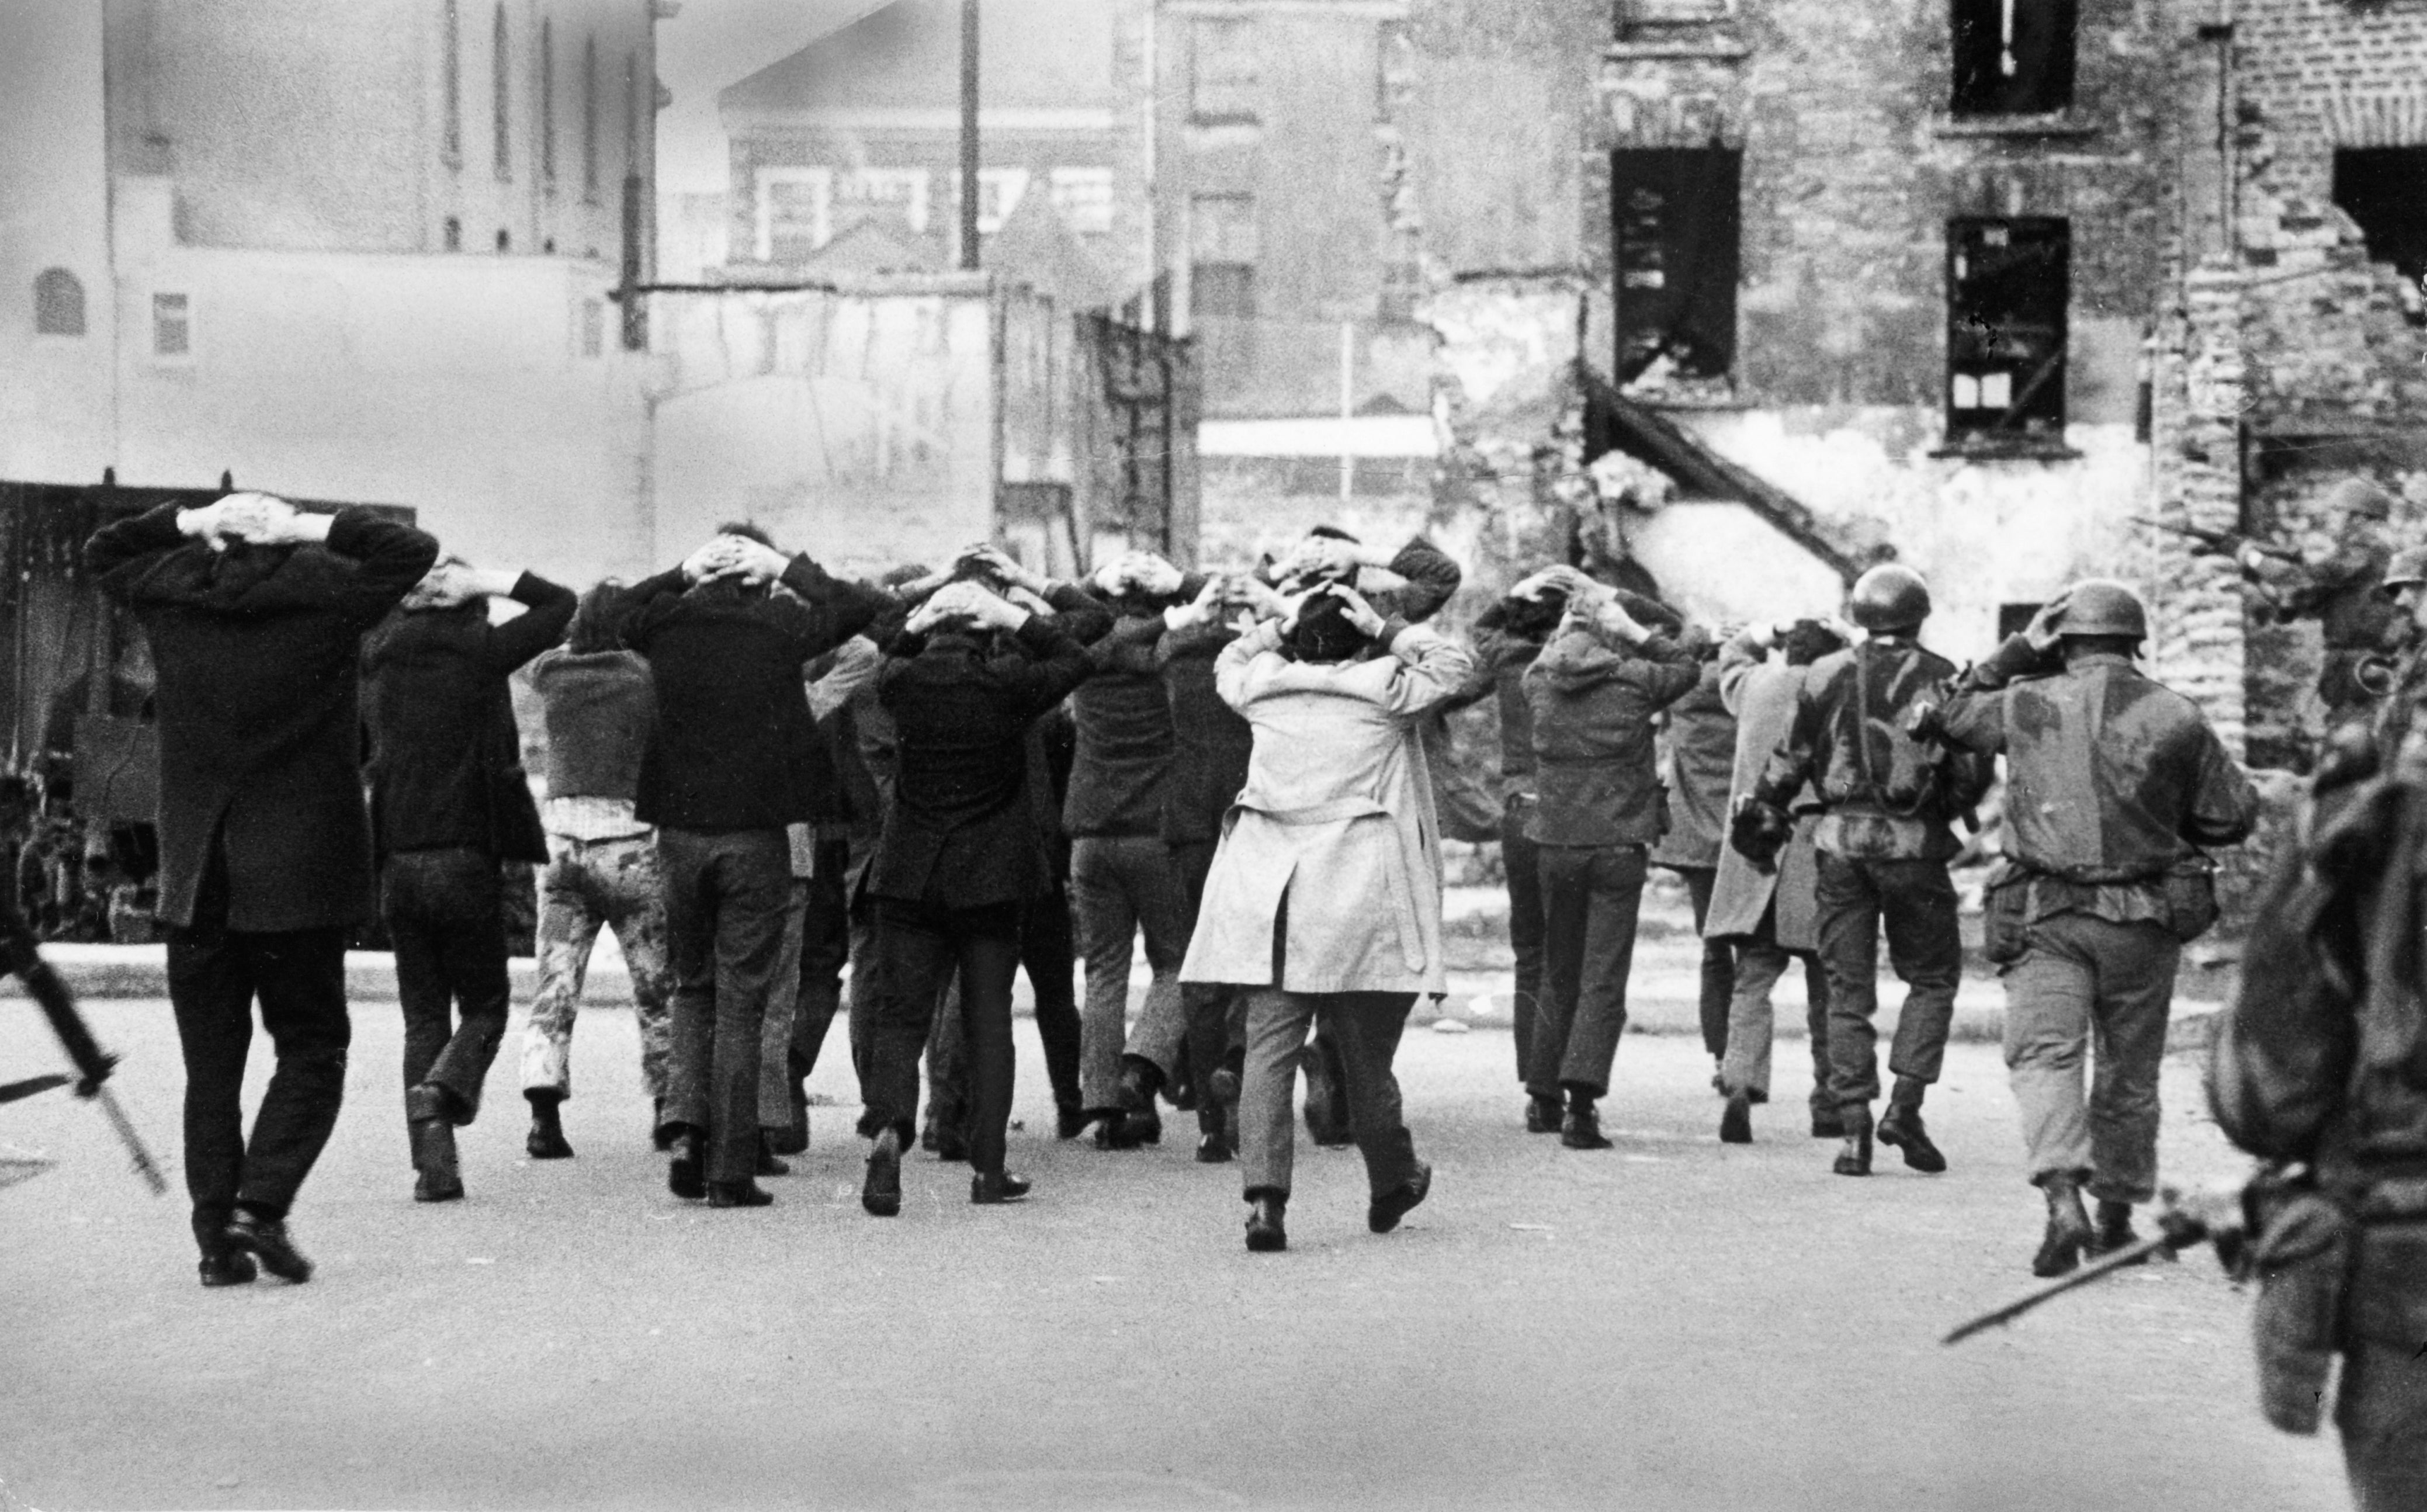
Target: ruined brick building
{"x": 1772, "y": 286}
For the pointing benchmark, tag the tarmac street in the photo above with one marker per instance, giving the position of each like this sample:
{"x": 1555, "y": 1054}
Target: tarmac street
{"x": 1670, "y": 1326}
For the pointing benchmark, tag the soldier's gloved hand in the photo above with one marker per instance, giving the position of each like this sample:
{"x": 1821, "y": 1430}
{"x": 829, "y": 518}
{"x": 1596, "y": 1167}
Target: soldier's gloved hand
{"x": 1759, "y": 831}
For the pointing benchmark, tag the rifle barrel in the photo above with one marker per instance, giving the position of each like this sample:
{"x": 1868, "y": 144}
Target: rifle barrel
{"x": 144, "y": 1167}
{"x": 2105, "y": 1265}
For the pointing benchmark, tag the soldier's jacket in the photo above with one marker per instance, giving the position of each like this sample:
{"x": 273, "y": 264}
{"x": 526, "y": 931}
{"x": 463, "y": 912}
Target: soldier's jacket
{"x": 2322, "y": 1054}
{"x": 1885, "y": 795}
{"x": 2112, "y": 780}
{"x": 2340, "y": 590}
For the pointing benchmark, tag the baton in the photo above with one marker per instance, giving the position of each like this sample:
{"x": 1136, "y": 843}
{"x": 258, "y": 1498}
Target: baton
{"x": 2107, "y": 1264}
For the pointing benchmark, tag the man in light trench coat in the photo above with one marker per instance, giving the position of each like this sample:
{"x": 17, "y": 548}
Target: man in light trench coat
{"x": 1338, "y": 795}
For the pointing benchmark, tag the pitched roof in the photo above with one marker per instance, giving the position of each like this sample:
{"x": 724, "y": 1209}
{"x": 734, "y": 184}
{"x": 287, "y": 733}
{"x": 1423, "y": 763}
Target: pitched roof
{"x": 907, "y": 55}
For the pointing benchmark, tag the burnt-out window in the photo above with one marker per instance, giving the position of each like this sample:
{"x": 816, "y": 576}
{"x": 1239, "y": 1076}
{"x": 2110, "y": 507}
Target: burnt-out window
{"x": 2007, "y": 284}
{"x": 2385, "y": 190}
{"x": 2013, "y": 57}
{"x": 1222, "y": 70}
{"x": 1677, "y": 248}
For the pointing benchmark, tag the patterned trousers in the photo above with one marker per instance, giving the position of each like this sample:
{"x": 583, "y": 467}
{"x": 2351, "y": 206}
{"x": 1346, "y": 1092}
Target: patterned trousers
{"x": 590, "y": 884}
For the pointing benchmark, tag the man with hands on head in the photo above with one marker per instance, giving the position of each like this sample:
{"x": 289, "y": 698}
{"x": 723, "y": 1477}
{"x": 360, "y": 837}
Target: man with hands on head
{"x": 728, "y": 766}
{"x": 962, "y": 855}
{"x": 256, "y": 613}
{"x": 1592, "y": 693}
{"x": 1337, "y": 797}
{"x": 451, "y": 804}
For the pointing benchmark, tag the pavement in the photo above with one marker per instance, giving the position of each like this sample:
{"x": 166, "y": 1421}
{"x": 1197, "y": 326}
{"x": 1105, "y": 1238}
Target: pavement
{"x": 1670, "y": 1325}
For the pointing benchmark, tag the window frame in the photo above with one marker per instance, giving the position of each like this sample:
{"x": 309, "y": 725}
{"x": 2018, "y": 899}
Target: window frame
{"x": 185, "y": 356}
{"x": 1977, "y": 95}
{"x": 1696, "y": 329}
{"x": 817, "y": 180}
{"x": 56, "y": 277}
{"x": 2036, "y": 410}
{"x": 1233, "y": 97}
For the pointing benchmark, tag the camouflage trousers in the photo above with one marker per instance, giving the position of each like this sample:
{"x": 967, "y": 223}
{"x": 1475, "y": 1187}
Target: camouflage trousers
{"x": 590, "y": 884}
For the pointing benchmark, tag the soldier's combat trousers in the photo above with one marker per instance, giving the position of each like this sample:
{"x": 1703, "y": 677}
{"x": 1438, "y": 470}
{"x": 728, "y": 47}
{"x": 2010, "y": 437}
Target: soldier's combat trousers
{"x": 589, "y": 885}
{"x": 2085, "y": 984}
{"x": 1914, "y": 901}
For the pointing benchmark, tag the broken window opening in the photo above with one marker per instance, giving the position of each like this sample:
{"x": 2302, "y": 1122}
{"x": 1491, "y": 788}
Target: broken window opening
{"x": 2009, "y": 284}
{"x": 2385, "y": 190}
{"x": 1677, "y": 243}
{"x": 2013, "y": 57}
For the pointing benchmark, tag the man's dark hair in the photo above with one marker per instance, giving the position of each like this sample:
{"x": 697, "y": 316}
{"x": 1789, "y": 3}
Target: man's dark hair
{"x": 598, "y": 619}
{"x": 1808, "y": 641}
{"x": 1334, "y": 532}
{"x": 1323, "y": 633}
{"x": 748, "y": 530}
{"x": 1535, "y": 619}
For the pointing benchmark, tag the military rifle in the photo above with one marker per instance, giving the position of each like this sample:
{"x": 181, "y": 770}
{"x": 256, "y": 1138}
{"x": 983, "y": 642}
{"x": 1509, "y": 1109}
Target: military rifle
{"x": 2223, "y": 1220}
{"x": 2218, "y": 543}
{"x": 21, "y": 959}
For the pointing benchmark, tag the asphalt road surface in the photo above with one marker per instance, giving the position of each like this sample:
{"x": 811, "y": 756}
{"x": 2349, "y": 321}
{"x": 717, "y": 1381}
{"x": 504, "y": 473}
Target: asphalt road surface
{"x": 1670, "y": 1325}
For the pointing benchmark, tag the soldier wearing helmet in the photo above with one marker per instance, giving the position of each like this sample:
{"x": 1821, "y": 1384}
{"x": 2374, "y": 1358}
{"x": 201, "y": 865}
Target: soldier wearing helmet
{"x": 2114, "y": 786}
{"x": 2340, "y": 590}
{"x": 1885, "y": 838}
{"x": 2401, "y": 684}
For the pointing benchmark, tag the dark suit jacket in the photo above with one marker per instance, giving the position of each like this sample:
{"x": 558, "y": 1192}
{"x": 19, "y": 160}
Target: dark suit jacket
{"x": 446, "y": 765}
{"x": 964, "y": 829}
{"x": 260, "y": 739}
{"x": 734, "y": 747}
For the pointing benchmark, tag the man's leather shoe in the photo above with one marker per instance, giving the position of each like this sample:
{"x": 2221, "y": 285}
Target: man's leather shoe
{"x": 1582, "y": 1129}
{"x": 1855, "y": 1158}
{"x": 232, "y": 1267}
{"x": 265, "y": 1239}
{"x": 1827, "y": 1125}
{"x": 1901, "y": 1127}
{"x": 1544, "y": 1115}
{"x": 793, "y": 1138}
{"x": 1143, "y": 1128}
{"x": 2068, "y": 1230}
{"x": 1213, "y": 1148}
{"x": 1069, "y": 1123}
{"x": 1265, "y": 1233}
{"x": 881, "y": 1193}
{"x": 950, "y": 1144}
{"x": 2113, "y": 1231}
{"x": 1113, "y": 1131}
{"x": 1384, "y": 1213}
{"x": 546, "y": 1141}
{"x": 1736, "y": 1121}
{"x": 437, "y": 1186}
{"x": 738, "y": 1195}
{"x": 686, "y": 1178}
{"x": 997, "y": 1186}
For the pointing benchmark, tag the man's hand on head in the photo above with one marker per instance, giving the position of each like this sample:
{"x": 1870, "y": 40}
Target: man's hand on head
{"x": 1367, "y": 621}
{"x": 753, "y": 561}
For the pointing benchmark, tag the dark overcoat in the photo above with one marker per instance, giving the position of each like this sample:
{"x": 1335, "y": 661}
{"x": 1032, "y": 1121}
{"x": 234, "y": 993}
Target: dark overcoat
{"x": 260, "y": 742}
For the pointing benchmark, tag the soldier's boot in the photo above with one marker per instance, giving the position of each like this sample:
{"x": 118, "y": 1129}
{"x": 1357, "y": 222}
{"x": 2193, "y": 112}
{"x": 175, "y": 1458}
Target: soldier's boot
{"x": 429, "y": 1120}
{"x": 1854, "y": 1156}
{"x": 1901, "y": 1128}
{"x": 546, "y": 1141}
{"x": 2114, "y": 1230}
{"x": 2068, "y": 1227}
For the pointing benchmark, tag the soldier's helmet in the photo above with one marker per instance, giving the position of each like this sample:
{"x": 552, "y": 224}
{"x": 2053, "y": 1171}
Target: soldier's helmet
{"x": 2407, "y": 570}
{"x": 2360, "y": 497}
{"x": 1890, "y": 597}
{"x": 2101, "y": 605}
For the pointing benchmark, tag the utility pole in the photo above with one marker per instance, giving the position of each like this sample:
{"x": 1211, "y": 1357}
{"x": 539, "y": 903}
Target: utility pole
{"x": 969, "y": 136}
